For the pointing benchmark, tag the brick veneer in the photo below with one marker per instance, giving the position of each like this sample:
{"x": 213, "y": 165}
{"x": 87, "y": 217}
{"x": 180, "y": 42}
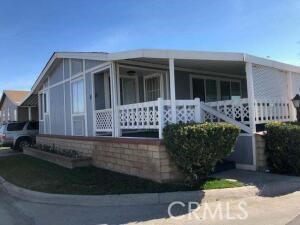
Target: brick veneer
{"x": 261, "y": 160}
{"x": 146, "y": 158}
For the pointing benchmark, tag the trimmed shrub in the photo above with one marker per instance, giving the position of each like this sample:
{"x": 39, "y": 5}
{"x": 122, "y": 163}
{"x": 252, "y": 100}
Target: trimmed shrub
{"x": 196, "y": 148}
{"x": 283, "y": 147}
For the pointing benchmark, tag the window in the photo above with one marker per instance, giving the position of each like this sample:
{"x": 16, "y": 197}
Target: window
{"x": 152, "y": 88}
{"x": 235, "y": 89}
{"x": 199, "y": 89}
{"x": 41, "y": 110}
{"x": 78, "y": 97}
{"x": 225, "y": 90}
{"x": 211, "y": 90}
{"x": 45, "y": 103}
{"x": 33, "y": 126}
{"x": 15, "y": 126}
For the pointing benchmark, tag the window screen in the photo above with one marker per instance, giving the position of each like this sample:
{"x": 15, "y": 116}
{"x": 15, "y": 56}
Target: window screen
{"x": 235, "y": 89}
{"x": 211, "y": 90}
{"x": 78, "y": 96}
{"x": 225, "y": 90}
{"x": 198, "y": 89}
{"x": 152, "y": 88}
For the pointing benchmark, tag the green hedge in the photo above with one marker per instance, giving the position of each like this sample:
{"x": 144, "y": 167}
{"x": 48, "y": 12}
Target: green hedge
{"x": 196, "y": 148}
{"x": 283, "y": 147}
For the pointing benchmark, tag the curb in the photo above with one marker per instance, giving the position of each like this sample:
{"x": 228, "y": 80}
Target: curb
{"x": 129, "y": 199}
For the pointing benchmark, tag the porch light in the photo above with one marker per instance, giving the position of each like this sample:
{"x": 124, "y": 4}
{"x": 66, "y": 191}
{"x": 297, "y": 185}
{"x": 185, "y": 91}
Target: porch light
{"x": 296, "y": 102}
{"x": 131, "y": 72}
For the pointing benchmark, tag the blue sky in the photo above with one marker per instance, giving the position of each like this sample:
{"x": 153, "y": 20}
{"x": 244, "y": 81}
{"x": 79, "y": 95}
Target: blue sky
{"x": 30, "y": 31}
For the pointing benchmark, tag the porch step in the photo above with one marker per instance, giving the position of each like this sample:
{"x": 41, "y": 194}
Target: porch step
{"x": 224, "y": 165}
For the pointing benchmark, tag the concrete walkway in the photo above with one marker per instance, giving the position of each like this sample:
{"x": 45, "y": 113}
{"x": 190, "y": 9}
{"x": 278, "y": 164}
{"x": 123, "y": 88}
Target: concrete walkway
{"x": 268, "y": 184}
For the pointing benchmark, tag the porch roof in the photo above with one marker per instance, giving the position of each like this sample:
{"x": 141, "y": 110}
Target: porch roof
{"x": 153, "y": 54}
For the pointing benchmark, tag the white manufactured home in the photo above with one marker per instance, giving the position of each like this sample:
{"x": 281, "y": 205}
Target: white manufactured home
{"x": 128, "y": 97}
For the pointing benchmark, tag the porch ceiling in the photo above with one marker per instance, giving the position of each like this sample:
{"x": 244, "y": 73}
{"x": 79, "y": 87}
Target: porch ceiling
{"x": 228, "y": 67}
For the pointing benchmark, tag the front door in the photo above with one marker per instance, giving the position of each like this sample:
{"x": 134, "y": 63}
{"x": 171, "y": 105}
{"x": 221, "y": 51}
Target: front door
{"x": 128, "y": 86}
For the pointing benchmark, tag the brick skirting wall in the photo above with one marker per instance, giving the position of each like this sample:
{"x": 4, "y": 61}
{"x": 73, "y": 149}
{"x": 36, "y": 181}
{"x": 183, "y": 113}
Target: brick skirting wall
{"x": 146, "y": 158}
{"x": 261, "y": 159}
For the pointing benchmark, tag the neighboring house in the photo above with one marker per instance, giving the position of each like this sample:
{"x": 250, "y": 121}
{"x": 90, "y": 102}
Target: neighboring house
{"x": 87, "y": 98}
{"x": 11, "y": 109}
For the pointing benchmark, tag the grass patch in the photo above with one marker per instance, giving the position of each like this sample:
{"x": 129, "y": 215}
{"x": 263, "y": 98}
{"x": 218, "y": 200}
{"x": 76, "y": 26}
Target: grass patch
{"x": 2, "y": 148}
{"x": 38, "y": 175}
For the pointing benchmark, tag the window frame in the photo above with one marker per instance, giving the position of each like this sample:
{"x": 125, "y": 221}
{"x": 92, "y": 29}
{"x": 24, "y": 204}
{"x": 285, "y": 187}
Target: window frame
{"x": 78, "y": 80}
{"x": 161, "y": 85}
{"x": 218, "y": 80}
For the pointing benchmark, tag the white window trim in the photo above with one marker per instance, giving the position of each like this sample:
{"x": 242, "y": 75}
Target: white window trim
{"x": 160, "y": 76}
{"x": 136, "y": 85}
{"x": 217, "y": 79}
{"x": 81, "y": 78}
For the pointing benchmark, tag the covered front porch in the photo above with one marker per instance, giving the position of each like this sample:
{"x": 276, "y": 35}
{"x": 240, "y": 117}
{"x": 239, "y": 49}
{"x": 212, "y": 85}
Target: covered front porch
{"x": 138, "y": 97}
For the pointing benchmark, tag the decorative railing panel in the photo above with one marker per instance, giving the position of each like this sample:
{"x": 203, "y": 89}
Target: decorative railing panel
{"x": 103, "y": 120}
{"x": 156, "y": 114}
{"x": 267, "y": 110}
{"x": 234, "y": 109}
{"x": 186, "y": 111}
{"x": 139, "y": 116}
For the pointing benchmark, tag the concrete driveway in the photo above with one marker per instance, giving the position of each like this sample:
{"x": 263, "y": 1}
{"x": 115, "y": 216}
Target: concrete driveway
{"x": 260, "y": 210}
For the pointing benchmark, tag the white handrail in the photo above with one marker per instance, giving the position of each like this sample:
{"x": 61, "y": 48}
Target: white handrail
{"x": 224, "y": 117}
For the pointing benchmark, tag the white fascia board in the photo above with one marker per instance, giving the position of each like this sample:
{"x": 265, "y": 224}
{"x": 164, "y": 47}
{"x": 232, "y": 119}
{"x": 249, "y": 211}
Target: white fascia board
{"x": 83, "y": 55}
{"x": 61, "y": 55}
{"x": 175, "y": 54}
{"x": 271, "y": 63}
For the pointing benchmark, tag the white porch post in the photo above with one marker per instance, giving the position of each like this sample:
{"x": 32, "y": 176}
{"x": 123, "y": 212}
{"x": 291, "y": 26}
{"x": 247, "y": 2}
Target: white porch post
{"x": 29, "y": 113}
{"x": 293, "y": 115}
{"x": 172, "y": 89}
{"x": 114, "y": 102}
{"x": 251, "y": 98}
{"x": 160, "y": 117}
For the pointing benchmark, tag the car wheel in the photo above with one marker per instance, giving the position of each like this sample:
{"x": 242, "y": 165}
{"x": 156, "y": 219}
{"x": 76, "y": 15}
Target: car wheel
{"x": 22, "y": 144}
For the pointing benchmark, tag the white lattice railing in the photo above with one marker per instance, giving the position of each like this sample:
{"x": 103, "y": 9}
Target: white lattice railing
{"x": 234, "y": 109}
{"x": 155, "y": 114}
{"x": 186, "y": 111}
{"x": 267, "y": 110}
{"x": 103, "y": 120}
{"x": 148, "y": 115}
{"x": 139, "y": 116}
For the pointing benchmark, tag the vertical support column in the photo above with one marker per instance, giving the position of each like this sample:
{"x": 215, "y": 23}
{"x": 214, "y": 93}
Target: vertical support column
{"x": 29, "y": 113}
{"x": 198, "y": 116}
{"x": 114, "y": 102}
{"x": 160, "y": 105}
{"x": 292, "y": 112}
{"x": 172, "y": 89}
{"x": 251, "y": 99}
